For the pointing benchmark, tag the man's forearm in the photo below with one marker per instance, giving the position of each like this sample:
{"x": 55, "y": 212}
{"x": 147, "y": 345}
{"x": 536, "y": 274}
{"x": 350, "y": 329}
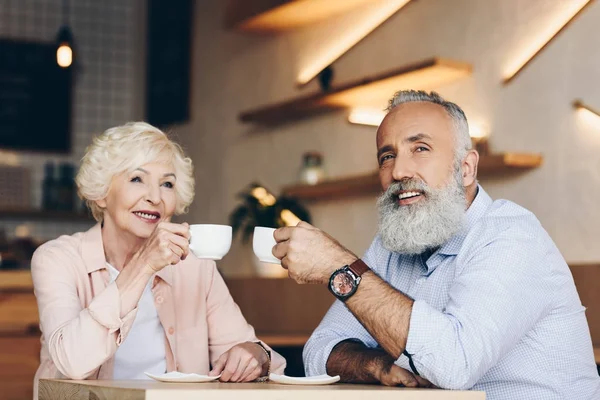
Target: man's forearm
{"x": 383, "y": 311}
{"x": 356, "y": 363}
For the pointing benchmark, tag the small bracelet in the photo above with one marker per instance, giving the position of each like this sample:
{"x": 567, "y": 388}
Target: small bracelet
{"x": 266, "y": 377}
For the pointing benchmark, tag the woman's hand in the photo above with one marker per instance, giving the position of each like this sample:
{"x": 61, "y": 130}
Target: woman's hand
{"x": 168, "y": 244}
{"x": 244, "y": 362}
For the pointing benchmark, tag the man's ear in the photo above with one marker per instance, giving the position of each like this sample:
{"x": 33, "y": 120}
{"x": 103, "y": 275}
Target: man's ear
{"x": 469, "y": 168}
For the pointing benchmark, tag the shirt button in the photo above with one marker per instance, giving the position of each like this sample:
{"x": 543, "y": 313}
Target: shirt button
{"x": 159, "y": 300}
{"x": 171, "y": 330}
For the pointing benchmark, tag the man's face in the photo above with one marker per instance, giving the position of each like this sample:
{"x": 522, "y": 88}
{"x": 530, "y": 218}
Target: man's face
{"x": 424, "y": 199}
{"x": 415, "y": 140}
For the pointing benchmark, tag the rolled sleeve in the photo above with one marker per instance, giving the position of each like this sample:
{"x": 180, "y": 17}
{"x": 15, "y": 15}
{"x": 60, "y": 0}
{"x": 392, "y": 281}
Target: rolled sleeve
{"x": 424, "y": 324}
{"x": 494, "y": 301}
{"x": 318, "y": 353}
{"x": 403, "y": 362}
{"x": 105, "y": 309}
{"x": 79, "y": 339}
{"x": 338, "y": 325}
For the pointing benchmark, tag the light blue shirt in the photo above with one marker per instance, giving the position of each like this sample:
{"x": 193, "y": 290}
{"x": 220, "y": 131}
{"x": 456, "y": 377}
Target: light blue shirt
{"x": 495, "y": 310}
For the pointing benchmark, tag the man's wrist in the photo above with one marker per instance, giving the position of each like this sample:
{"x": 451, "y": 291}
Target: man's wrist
{"x": 379, "y": 364}
{"x": 346, "y": 259}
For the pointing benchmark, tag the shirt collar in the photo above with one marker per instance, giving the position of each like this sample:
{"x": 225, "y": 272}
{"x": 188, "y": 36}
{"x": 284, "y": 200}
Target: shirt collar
{"x": 475, "y": 211}
{"x": 93, "y": 254}
{"x": 92, "y": 249}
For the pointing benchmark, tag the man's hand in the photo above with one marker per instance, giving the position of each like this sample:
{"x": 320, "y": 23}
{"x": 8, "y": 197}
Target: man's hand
{"x": 309, "y": 254}
{"x": 356, "y": 363}
{"x": 393, "y": 375}
{"x": 244, "y": 362}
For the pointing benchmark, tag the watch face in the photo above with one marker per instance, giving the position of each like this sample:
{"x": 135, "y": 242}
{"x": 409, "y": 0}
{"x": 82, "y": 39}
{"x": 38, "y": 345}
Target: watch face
{"x": 342, "y": 284}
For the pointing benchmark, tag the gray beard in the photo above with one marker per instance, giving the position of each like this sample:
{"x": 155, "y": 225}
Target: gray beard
{"x": 425, "y": 225}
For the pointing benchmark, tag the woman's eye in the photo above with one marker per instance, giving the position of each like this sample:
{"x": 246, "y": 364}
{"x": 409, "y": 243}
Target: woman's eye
{"x": 168, "y": 185}
{"x": 135, "y": 179}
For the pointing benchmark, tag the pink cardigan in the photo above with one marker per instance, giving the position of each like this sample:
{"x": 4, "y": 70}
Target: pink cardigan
{"x": 79, "y": 312}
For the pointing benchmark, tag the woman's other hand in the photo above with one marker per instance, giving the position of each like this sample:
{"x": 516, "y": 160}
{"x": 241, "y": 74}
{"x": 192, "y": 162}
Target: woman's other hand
{"x": 244, "y": 362}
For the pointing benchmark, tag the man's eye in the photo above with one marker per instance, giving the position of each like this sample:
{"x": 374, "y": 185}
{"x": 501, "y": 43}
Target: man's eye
{"x": 421, "y": 149}
{"x": 385, "y": 158}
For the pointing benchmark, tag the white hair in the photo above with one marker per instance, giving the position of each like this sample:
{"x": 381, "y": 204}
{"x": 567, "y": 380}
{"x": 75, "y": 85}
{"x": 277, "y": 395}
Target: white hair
{"x": 462, "y": 139}
{"x": 123, "y": 149}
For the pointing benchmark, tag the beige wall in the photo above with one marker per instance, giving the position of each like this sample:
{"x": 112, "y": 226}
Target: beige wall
{"x": 233, "y": 71}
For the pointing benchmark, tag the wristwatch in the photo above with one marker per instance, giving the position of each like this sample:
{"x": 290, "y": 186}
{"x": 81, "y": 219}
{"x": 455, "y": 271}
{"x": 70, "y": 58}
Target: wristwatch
{"x": 344, "y": 281}
{"x": 265, "y": 377}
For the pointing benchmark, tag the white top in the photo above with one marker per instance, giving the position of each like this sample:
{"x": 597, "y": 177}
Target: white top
{"x": 143, "y": 350}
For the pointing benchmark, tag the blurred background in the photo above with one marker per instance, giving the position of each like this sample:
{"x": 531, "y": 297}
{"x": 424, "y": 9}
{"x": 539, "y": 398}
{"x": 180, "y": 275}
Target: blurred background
{"x": 277, "y": 103}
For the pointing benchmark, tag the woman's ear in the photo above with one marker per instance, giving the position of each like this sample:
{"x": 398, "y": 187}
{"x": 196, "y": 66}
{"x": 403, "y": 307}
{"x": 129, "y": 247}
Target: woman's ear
{"x": 101, "y": 203}
{"x": 469, "y": 168}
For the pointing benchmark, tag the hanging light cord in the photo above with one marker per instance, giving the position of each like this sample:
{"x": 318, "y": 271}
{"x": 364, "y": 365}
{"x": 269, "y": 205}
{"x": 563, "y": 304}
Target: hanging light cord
{"x": 65, "y": 12}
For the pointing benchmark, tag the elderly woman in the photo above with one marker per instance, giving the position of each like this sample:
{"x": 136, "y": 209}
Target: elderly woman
{"x": 127, "y": 297}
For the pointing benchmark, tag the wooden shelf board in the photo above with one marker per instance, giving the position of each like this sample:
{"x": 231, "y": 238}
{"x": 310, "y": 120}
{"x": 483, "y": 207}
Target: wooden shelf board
{"x": 44, "y": 215}
{"x": 336, "y": 188}
{"x": 493, "y": 164}
{"x": 270, "y": 16}
{"x": 371, "y": 91}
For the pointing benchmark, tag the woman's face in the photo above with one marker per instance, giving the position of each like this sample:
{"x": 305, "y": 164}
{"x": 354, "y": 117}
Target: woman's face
{"x": 137, "y": 201}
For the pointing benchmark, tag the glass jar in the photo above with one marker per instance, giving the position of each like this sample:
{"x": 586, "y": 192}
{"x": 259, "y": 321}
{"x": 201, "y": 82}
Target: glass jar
{"x": 312, "y": 171}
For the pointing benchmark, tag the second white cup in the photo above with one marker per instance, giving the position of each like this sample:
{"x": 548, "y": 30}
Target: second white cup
{"x": 210, "y": 241}
{"x": 262, "y": 244}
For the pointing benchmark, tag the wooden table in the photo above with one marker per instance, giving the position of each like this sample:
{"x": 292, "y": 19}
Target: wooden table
{"x": 51, "y": 389}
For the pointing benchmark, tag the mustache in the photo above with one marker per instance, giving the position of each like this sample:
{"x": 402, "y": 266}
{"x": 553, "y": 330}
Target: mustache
{"x": 408, "y": 184}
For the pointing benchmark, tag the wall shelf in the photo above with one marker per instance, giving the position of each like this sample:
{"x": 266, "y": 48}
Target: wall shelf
{"x": 371, "y": 91}
{"x": 44, "y": 215}
{"x": 368, "y": 184}
{"x": 270, "y": 16}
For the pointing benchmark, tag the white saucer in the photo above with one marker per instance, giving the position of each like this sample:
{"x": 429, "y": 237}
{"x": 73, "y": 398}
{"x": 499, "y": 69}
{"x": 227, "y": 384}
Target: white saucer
{"x": 175, "y": 376}
{"x": 309, "y": 380}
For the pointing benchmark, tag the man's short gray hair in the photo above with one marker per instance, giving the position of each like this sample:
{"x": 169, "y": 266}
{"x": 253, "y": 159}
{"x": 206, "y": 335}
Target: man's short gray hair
{"x": 462, "y": 137}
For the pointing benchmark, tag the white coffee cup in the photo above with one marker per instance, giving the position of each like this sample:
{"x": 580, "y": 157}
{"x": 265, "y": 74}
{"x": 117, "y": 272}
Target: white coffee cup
{"x": 263, "y": 243}
{"x": 210, "y": 241}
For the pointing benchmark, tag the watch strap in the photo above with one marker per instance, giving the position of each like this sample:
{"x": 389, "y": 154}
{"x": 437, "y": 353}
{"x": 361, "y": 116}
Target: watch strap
{"x": 358, "y": 267}
{"x": 265, "y": 377}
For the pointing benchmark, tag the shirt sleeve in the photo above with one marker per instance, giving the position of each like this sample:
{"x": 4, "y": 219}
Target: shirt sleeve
{"x": 339, "y": 324}
{"x": 501, "y": 291}
{"x": 226, "y": 324}
{"x": 79, "y": 339}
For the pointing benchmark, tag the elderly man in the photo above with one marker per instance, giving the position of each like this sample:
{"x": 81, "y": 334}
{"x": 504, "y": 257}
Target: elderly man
{"x": 456, "y": 289}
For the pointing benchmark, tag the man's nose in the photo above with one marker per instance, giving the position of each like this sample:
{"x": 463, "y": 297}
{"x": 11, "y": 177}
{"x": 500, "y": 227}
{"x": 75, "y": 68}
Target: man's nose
{"x": 404, "y": 168}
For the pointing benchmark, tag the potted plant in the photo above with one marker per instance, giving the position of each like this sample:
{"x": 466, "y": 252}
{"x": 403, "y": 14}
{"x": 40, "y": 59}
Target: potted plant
{"x": 258, "y": 207}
